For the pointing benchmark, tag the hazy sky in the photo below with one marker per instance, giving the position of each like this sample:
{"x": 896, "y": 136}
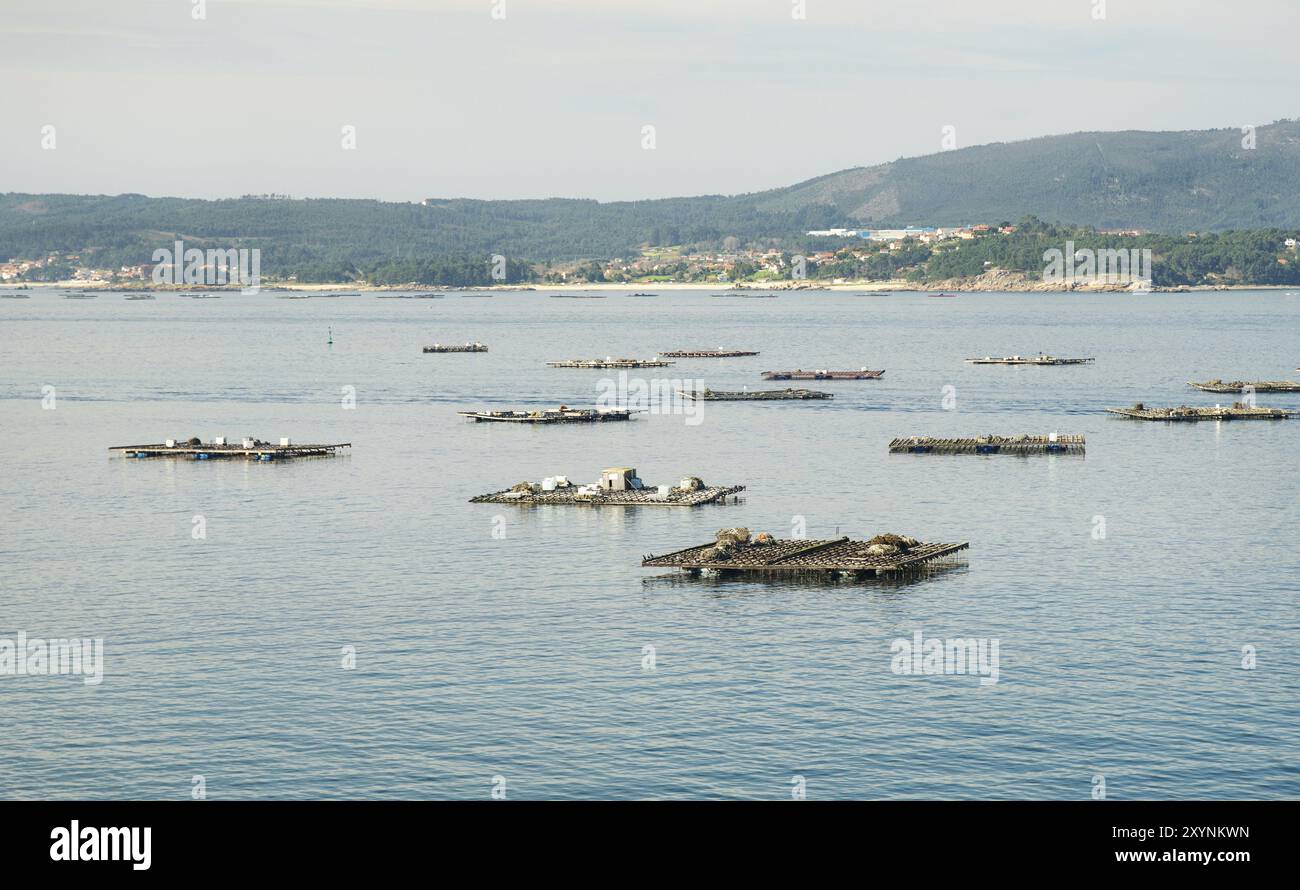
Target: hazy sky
{"x": 449, "y": 101}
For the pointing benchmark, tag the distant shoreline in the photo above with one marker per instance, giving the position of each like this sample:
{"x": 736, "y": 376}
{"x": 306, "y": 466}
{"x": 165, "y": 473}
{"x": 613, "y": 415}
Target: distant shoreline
{"x": 1003, "y": 283}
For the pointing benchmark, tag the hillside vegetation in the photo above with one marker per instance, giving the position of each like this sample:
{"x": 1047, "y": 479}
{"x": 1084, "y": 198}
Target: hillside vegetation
{"x": 1171, "y": 183}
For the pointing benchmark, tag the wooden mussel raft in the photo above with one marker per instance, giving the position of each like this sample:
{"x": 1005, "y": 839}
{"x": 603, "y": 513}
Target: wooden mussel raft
{"x": 761, "y": 395}
{"x": 611, "y": 363}
{"x": 1217, "y": 385}
{"x": 707, "y": 353}
{"x": 1039, "y": 359}
{"x": 248, "y": 448}
{"x": 562, "y": 414}
{"x": 617, "y": 487}
{"x": 1238, "y": 411}
{"x": 1022, "y": 445}
{"x": 466, "y": 347}
{"x": 735, "y": 551}
{"x": 861, "y": 374}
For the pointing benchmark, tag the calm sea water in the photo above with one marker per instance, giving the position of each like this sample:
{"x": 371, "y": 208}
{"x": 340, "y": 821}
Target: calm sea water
{"x": 520, "y": 654}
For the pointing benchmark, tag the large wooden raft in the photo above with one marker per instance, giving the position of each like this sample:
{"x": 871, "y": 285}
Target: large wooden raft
{"x": 1245, "y": 385}
{"x": 467, "y": 347}
{"x": 1021, "y": 445}
{"x": 250, "y": 449}
{"x": 801, "y": 556}
{"x": 707, "y": 353}
{"x": 861, "y": 374}
{"x": 758, "y": 395}
{"x": 563, "y": 414}
{"x": 648, "y": 497}
{"x": 616, "y": 487}
{"x": 610, "y": 363}
{"x": 1186, "y": 413}
{"x": 1039, "y": 359}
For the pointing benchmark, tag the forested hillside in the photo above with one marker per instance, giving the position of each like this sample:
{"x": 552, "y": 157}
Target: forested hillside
{"x": 1161, "y": 182}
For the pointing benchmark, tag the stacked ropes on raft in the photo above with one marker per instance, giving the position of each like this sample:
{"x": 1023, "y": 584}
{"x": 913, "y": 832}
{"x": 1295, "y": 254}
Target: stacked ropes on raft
{"x": 735, "y": 550}
{"x": 1238, "y": 411}
{"x": 1021, "y": 445}
{"x": 617, "y": 487}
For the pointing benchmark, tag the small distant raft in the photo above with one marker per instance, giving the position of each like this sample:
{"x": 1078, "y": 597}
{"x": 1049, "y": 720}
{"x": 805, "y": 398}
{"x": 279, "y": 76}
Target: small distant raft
{"x": 617, "y": 487}
{"x": 611, "y": 363}
{"x": 466, "y": 347}
{"x": 1217, "y": 385}
{"x": 1039, "y": 359}
{"x": 735, "y": 551}
{"x": 707, "y": 353}
{"x": 562, "y": 414}
{"x": 860, "y": 374}
{"x": 1238, "y": 411}
{"x": 761, "y": 395}
{"x": 248, "y": 448}
{"x": 1021, "y": 445}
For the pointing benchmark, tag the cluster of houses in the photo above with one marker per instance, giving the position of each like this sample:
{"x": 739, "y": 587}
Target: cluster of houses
{"x": 923, "y": 234}
{"x": 15, "y": 269}
{"x": 719, "y": 266}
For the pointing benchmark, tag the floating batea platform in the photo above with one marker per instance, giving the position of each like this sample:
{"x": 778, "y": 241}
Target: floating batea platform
{"x": 860, "y": 374}
{"x": 1021, "y": 445}
{"x": 247, "y": 448}
{"x": 611, "y": 363}
{"x": 1241, "y": 385}
{"x": 1238, "y": 411}
{"x": 550, "y": 415}
{"x": 764, "y": 555}
{"x": 761, "y": 395}
{"x": 618, "y": 487}
{"x": 467, "y": 347}
{"x": 1039, "y": 359}
{"x": 707, "y": 353}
